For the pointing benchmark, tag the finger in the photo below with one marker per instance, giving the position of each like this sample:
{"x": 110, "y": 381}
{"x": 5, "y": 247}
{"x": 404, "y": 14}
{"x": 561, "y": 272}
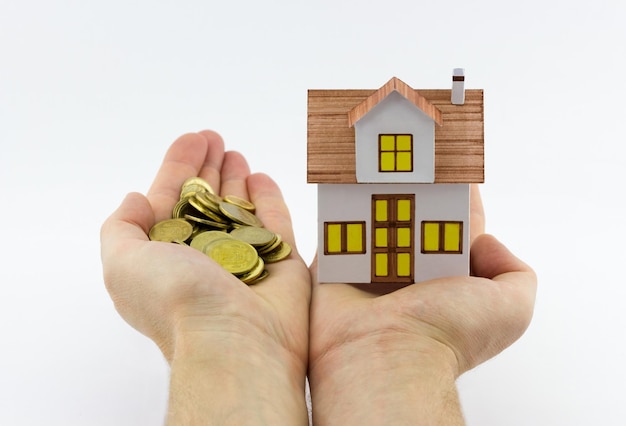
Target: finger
{"x": 235, "y": 171}
{"x": 291, "y": 274}
{"x": 122, "y": 233}
{"x": 184, "y": 159}
{"x": 516, "y": 285}
{"x": 270, "y": 206}
{"x": 477, "y": 214}
{"x": 489, "y": 258}
{"x": 211, "y": 169}
{"x": 131, "y": 221}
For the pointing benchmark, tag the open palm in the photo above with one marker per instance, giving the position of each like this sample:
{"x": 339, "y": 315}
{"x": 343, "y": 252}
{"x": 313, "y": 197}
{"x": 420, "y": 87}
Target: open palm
{"x": 165, "y": 289}
{"x": 466, "y": 320}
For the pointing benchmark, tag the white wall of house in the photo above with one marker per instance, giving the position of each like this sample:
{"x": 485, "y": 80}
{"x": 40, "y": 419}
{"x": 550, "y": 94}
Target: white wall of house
{"x": 395, "y": 114}
{"x": 352, "y": 202}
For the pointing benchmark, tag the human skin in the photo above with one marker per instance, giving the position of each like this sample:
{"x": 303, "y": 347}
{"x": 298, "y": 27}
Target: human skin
{"x": 378, "y": 356}
{"x": 238, "y": 353}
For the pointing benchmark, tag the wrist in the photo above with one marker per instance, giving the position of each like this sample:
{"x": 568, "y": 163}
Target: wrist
{"x": 389, "y": 380}
{"x": 233, "y": 377}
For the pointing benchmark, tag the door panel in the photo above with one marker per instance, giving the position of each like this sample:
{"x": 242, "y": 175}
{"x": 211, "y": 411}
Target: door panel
{"x": 393, "y": 242}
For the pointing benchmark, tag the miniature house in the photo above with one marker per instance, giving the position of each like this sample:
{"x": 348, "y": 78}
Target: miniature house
{"x": 393, "y": 168}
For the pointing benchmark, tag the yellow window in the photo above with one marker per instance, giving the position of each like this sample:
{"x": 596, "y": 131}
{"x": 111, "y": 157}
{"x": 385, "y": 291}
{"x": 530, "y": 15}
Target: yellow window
{"x": 404, "y": 264}
{"x": 431, "y": 236}
{"x": 403, "y": 162}
{"x": 403, "y": 142}
{"x": 381, "y": 210}
{"x": 382, "y": 265}
{"x": 387, "y": 143}
{"x": 354, "y": 234}
{"x": 403, "y": 237}
{"x": 387, "y": 162}
{"x": 442, "y": 237}
{"x": 452, "y": 237}
{"x": 396, "y": 153}
{"x": 404, "y": 210}
{"x": 344, "y": 237}
{"x": 381, "y": 237}
{"x": 334, "y": 238}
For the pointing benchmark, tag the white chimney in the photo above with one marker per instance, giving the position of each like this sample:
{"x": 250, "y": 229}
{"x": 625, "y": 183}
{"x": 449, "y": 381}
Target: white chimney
{"x": 458, "y": 86}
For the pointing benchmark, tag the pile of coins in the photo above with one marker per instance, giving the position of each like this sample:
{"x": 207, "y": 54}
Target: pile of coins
{"x": 225, "y": 229}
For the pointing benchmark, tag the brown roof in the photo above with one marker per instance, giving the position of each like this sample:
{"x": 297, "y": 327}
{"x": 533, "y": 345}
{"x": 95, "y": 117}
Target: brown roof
{"x": 401, "y": 87}
{"x": 459, "y": 139}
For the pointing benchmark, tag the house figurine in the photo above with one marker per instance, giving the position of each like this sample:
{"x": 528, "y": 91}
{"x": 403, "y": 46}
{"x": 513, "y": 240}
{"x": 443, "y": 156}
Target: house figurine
{"x": 393, "y": 169}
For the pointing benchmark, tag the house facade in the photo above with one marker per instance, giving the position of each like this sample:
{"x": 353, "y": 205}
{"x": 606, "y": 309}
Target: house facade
{"x": 393, "y": 168}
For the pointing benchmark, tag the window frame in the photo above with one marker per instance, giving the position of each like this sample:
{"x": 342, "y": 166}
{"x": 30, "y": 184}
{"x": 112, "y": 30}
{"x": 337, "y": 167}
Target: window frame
{"x": 442, "y": 235}
{"x": 344, "y": 237}
{"x": 395, "y": 152}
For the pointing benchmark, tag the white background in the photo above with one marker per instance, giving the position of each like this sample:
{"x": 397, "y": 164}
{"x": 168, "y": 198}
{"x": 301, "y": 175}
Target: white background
{"x": 92, "y": 94}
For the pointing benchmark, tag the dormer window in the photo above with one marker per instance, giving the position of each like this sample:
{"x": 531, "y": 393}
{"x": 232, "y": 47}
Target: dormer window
{"x": 395, "y": 153}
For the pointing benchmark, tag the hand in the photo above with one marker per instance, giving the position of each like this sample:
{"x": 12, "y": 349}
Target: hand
{"x": 196, "y": 312}
{"x": 396, "y": 350}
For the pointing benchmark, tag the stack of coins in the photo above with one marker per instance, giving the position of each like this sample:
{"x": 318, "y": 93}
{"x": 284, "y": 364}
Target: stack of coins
{"x": 225, "y": 229}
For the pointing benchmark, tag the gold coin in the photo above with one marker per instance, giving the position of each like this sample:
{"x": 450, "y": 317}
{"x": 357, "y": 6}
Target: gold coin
{"x": 180, "y": 208}
{"x": 201, "y": 240}
{"x": 263, "y": 275}
{"x": 254, "y": 274}
{"x": 193, "y": 201}
{"x": 190, "y": 191}
{"x": 272, "y": 246}
{"x": 196, "y": 230}
{"x": 210, "y": 201}
{"x": 233, "y": 255}
{"x": 238, "y": 201}
{"x": 198, "y": 181}
{"x": 171, "y": 230}
{"x": 202, "y": 218}
{"x": 278, "y": 254}
{"x": 258, "y": 237}
{"x": 239, "y": 215}
{"x": 206, "y": 222}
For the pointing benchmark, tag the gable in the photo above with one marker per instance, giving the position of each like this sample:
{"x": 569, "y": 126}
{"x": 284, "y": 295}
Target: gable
{"x": 383, "y": 155}
{"x": 394, "y": 85}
